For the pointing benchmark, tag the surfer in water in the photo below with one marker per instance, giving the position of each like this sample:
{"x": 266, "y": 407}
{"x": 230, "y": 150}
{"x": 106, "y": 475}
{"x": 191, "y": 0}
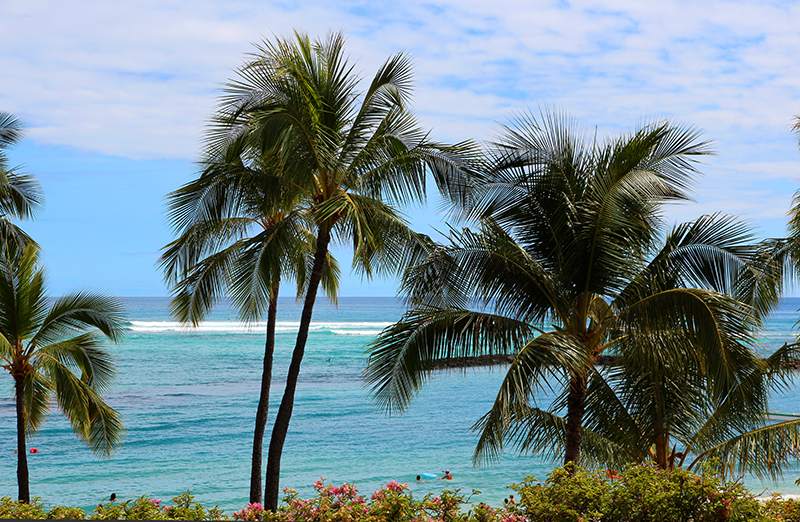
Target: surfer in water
{"x": 447, "y": 475}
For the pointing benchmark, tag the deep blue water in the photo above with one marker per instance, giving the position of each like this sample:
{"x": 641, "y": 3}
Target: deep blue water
{"x": 189, "y": 396}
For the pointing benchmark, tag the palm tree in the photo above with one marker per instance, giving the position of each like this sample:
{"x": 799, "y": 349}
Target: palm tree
{"x": 55, "y": 351}
{"x": 235, "y": 239}
{"x": 569, "y": 237}
{"x": 349, "y": 156}
{"x": 20, "y": 194}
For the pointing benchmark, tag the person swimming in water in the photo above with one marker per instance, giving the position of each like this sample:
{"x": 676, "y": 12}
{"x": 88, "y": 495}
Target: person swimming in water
{"x": 447, "y": 475}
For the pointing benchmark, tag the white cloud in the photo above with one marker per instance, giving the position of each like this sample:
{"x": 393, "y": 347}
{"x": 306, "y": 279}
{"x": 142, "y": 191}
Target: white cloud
{"x": 138, "y": 79}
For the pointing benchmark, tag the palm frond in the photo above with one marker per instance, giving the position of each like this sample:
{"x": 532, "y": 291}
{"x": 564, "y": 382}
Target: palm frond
{"x": 38, "y": 395}
{"x": 81, "y": 311}
{"x": 403, "y": 356}
{"x": 764, "y": 452}
{"x": 541, "y": 362}
{"x": 85, "y": 353}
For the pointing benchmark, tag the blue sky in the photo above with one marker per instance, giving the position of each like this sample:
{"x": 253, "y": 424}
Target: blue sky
{"x": 115, "y": 96}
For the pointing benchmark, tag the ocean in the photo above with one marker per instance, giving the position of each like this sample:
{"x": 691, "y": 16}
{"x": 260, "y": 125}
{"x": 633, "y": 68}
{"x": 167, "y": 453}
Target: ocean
{"x": 188, "y": 397}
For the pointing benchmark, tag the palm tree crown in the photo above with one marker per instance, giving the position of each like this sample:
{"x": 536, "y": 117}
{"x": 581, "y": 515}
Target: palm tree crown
{"x": 20, "y": 194}
{"x": 571, "y": 237}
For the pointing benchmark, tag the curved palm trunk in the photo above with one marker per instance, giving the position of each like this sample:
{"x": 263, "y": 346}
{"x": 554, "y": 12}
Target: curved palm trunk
{"x": 287, "y": 403}
{"x": 263, "y": 400}
{"x": 22, "y": 456}
{"x": 576, "y": 405}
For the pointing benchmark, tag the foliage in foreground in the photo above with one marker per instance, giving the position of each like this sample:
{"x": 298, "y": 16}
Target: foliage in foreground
{"x": 143, "y": 508}
{"x": 641, "y": 494}
{"x": 392, "y": 502}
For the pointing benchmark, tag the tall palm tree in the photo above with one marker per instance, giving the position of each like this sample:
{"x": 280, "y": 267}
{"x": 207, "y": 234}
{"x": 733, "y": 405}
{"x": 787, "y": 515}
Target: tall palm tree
{"x": 20, "y": 194}
{"x": 350, "y": 156}
{"x": 235, "y": 239}
{"x": 569, "y": 238}
{"x": 54, "y": 350}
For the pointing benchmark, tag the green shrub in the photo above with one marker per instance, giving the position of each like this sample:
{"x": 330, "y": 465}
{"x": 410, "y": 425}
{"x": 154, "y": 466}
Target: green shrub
{"x": 66, "y": 513}
{"x": 15, "y": 509}
{"x": 568, "y": 495}
{"x": 641, "y": 494}
{"x": 144, "y": 508}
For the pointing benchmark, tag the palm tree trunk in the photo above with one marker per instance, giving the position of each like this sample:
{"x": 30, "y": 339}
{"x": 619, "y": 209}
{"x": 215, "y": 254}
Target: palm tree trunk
{"x": 576, "y": 405}
{"x": 287, "y": 403}
{"x": 263, "y": 400}
{"x": 22, "y": 455}
{"x": 661, "y": 437}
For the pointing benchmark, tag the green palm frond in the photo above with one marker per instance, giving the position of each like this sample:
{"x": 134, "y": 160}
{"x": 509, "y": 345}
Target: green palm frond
{"x": 106, "y": 428}
{"x": 21, "y": 195}
{"x": 526, "y": 428}
{"x": 6, "y": 350}
{"x": 22, "y": 298}
{"x": 38, "y": 395}
{"x": 781, "y": 365}
{"x": 674, "y": 324}
{"x": 436, "y": 280}
{"x": 85, "y": 353}
{"x": 277, "y": 251}
{"x": 195, "y": 294}
{"x": 715, "y": 252}
{"x": 487, "y": 266}
{"x": 331, "y": 272}
{"x": 10, "y": 233}
{"x": 608, "y": 416}
{"x": 11, "y": 130}
{"x": 200, "y": 240}
{"x": 764, "y": 452}
{"x": 93, "y": 421}
{"x": 531, "y": 430}
{"x": 403, "y": 355}
{"x": 82, "y": 311}
{"x": 543, "y": 361}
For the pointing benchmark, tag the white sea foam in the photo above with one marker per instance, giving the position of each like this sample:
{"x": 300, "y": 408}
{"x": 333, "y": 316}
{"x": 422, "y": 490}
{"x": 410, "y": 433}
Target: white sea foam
{"x": 356, "y": 332}
{"x": 340, "y": 328}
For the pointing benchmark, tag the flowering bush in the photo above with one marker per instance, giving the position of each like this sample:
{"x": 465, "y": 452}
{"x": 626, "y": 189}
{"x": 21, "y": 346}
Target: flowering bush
{"x": 253, "y": 511}
{"x": 782, "y": 510}
{"x": 391, "y": 503}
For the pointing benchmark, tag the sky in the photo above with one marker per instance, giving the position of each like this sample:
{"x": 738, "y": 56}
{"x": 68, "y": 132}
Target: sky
{"x": 115, "y": 97}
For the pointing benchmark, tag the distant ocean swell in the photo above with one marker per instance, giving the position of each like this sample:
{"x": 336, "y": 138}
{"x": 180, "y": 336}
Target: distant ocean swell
{"x": 226, "y": 327}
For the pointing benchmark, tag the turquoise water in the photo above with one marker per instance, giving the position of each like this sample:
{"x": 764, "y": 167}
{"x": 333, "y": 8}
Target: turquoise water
{"x": 188, "y": 397}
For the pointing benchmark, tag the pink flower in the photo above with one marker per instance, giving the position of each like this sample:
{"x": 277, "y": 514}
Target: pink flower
{"x": 396, "y": 487}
